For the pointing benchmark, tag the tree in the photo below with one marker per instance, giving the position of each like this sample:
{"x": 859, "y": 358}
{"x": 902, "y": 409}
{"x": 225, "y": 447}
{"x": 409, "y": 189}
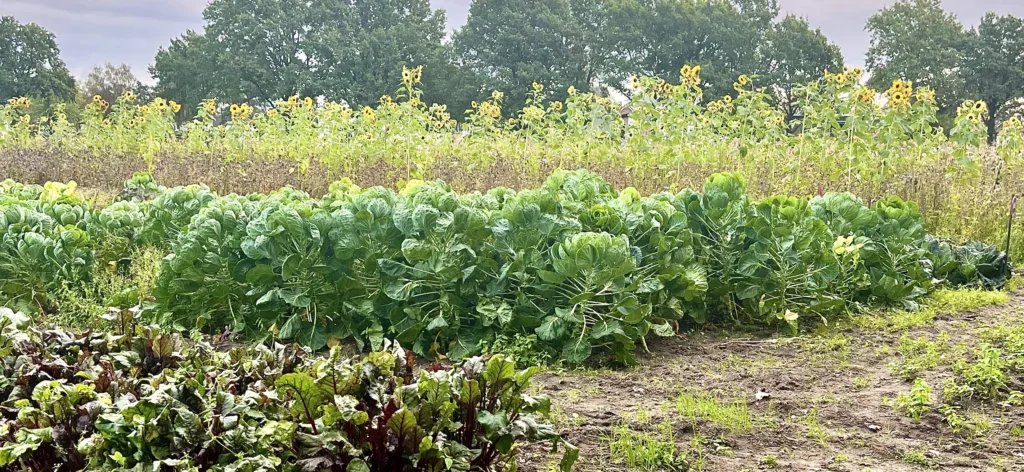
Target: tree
{"x": 916, "y": 40}
{"x": 994, "y": 64}
{"x": 796, "y": 54}
{"x": 347, "y": 50}
{"x": 510, "y": 44}
{"x": 382, "y": 37}
{"x": 110, "y": 81}
{"x": 657, "y": 37}
{"x": 186, "y": 72}
{"x": 30, "y": 63}
{"x": 270, "y": 49}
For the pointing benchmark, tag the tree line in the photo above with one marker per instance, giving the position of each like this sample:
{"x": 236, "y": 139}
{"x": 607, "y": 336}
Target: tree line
{"x": 261, "y": 51}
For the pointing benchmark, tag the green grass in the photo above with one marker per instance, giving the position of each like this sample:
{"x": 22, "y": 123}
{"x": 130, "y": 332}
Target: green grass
{"x": 645, "y": 450}
{"x": 698, "y": 406}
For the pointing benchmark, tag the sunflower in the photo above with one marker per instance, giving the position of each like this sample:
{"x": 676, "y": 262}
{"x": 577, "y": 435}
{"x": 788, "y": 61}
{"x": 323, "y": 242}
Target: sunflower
{"x": 538, "y": 87}
{"x": 495, "y": 112}
{"x": 727, "y": 99}
{"x": 144, "y": 109}
{"x": 572, "y": 90}
{"x": 979, "y": 106}
{"x": 234, "y": 109}
{"x": 308, "y": 102}
{"x": 634, "y": 82}
{"x": 744, "y": 80}
{"x": 497, "y": 96}
{"x": 293, "y": 100}
{"x": 175, "y": 107}
{"x": 368, "y": 112}
{"x": 474, "y": 105}
{"x": 131, "y": 124}
{"x": 129, "y": 96}
{"x": 925, "y": 94}
{"x": 557, "y": 106}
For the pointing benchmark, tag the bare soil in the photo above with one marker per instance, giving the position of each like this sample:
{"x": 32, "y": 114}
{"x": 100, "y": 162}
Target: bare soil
{"x": 825, "y": 403}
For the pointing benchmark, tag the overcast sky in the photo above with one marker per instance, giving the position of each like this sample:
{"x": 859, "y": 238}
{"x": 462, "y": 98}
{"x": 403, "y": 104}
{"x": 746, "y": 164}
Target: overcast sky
{"x": 90, "y": 32}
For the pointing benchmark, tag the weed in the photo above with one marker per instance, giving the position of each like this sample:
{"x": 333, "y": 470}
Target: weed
{"x": 815, "y": 430}
{"x": 913, "y": 456}
{"x": 943, "y": 302}
{"x": 916, "y": 403}
{"x": 968, "y": 424}
{"x": 837, "y": 462}
{"x": 119, "y": 284}
{"x": 565, "y": 421}
{"x": 1017, "y": 431}
{"x": 916, "y": 356}
{"x": 894, "y": 321}
{"x": 1014, "y": 284}
{"x": 698, "y": 406}
{"x": 986, "y": 376}
{"x": 860, "y": 382}
{"x": 770, "y": 461}
{"x": 645, "y": 450}
{"x": 951, "y": 302}
{"x": 525, "y": 350}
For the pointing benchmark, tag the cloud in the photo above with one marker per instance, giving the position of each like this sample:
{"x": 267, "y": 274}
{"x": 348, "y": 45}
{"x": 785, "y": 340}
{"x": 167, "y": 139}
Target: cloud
{"x": 91, "y": 32}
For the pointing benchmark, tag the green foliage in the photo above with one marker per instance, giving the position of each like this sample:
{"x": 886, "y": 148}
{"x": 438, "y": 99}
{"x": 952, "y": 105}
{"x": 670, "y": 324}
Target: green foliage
{"x": 917, "y": 402}
{"x": 346, "y": 51}
{"x": 918, "y": 355}
{"x": 44, "y": 243}
{"x": 135, "y": 397}
{"x": 973, "y": 263}
{"x": 986, "y": 377}
{"x": 186, "y": 72}
{"x": 908, "y": 39}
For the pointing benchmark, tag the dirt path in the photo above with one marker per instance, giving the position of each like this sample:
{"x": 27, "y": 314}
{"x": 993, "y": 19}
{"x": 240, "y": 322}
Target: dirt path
{"x": 727, "y": 402}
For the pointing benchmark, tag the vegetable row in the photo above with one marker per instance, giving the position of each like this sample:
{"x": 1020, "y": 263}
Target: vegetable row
{"x": 580, "y": 265}
{"x": 131, "y": 397}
